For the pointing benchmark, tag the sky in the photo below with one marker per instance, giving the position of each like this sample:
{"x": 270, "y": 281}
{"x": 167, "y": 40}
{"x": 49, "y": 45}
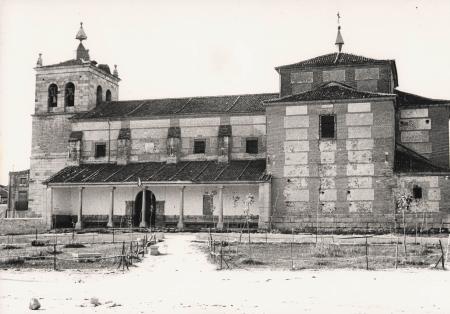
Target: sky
{"x": 206, "y": 47}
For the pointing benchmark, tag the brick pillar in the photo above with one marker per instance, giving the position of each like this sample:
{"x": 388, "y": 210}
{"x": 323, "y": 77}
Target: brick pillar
{"x": 79, "y": 224}
{"x": 265, "y": 205}
{"x": 111, "y": 209}
{"x": 180, "y": 224}
{"x": 220, "y": 208}
{"x": 143, "y": 223}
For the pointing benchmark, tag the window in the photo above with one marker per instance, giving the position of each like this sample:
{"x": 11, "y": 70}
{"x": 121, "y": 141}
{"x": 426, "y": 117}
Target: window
{"x": 207, "y": 205}
{"x": 108, "y": 95}
{"x": 23, "y": 181}
{"x": 251, "y": 146}
{"x": 327, "y": 127}
{"x": 22, "y": 201}
{"x": 99, "y": 95}
{"x": 100, "y": 150}
{"x": 69, "y": 92}
{"x": 53, "y": 95}
{"x": 199, "y": 146}
{"x": 417, "y": 192}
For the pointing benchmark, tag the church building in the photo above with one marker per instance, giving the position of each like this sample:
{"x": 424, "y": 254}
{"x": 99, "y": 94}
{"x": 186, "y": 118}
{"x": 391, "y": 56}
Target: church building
{"x": 333, "y": 148}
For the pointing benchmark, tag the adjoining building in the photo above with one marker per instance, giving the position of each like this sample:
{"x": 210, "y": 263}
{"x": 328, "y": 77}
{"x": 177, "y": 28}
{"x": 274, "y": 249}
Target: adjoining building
{"x": 18, "y": 195}
{"x": 334, "y": 146}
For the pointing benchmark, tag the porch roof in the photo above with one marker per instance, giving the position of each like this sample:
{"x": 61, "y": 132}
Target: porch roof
{"x": 238, "y": 171}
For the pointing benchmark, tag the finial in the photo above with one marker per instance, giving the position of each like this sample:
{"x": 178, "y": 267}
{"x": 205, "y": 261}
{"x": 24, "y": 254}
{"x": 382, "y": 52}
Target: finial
{"x": 81, "y": 35}
{"x": 115, "y": 73}
{"x": 339, "y": 40}
{"x": 39, "y": 60}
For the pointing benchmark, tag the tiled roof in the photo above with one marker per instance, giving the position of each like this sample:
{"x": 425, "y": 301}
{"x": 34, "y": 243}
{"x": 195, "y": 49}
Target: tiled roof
{"x": 406, "y": 99}
{"x": 193, "y": 171}
{"x": 408, "y": 161}
{"x": 251, "y": 103}
{"x": 330, "y": 91}
{"x": 330, "y": 60}
{"x": 76, "y": 136}
{"x": 102, "y": 67}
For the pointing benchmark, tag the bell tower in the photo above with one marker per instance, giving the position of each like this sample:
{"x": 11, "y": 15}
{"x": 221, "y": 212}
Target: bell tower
{"x": 63, "y": 89}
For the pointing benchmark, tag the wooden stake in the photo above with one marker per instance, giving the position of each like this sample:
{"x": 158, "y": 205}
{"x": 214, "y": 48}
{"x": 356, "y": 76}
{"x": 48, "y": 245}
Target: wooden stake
{"x": 54, "y": 256}
{"x": 367, "y": 255}
{"x": 442, "y": 257}
{"x": 396, "y": 253}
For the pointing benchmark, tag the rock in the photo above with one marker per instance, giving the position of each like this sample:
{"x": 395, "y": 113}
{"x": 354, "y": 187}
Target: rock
{"x": 34, "y": 304}
{"x": 94, "y": 301}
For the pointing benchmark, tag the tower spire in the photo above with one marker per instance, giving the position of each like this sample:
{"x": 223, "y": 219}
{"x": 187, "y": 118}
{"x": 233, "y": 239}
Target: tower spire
{"x": 81, "y": 35}
{"x": 82, "y": 53}
{"x": 339, "y": 40}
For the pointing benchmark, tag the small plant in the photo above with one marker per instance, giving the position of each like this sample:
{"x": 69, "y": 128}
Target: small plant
{"x": 10, "y": 247}
{"x": 74, "y": 245}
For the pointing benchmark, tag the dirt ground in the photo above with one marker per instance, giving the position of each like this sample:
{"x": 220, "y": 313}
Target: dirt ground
{"x": 183, "y": 281}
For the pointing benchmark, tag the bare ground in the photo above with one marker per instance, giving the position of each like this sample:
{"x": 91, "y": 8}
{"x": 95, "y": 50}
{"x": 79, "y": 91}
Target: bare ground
{"x": 183, "y": 281}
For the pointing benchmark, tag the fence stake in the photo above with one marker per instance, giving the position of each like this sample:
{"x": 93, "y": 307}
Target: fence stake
{"x": 131, "y": 252}
{"x": 396, "y": 253}
{"x": 113, "y": 234}
{"x": 143, "y": 250}
{"x": 221, "y": 255}
{"x": 36, "y": 234}
{"x": 292, "y": 258}
{"x": 54, "y": 256}
{"x": 367, "y": 255}
{"x": 442, "y": 252}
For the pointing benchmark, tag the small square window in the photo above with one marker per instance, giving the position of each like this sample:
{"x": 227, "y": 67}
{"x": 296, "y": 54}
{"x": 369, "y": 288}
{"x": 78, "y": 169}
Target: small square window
{"x": 327, "y": 127}
{"x": 199, "y": 146}
{"x": 251, "y": 146}
{"x": 417, "y": 192}
{"x": 100, "y": 150}
{"x": 23, "y": 181}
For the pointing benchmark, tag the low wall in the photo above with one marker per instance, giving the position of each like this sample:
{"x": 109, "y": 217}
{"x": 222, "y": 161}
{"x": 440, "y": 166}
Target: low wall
{"x": 361, "y": 223}
{"x": 22, "y": 225}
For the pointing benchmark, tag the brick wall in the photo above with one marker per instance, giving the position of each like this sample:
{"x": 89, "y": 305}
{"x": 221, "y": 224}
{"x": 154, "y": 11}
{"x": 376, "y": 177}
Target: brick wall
{"x": 425, "y": 130}
{"x": 351, "y": 174}
{"x": 21, "y": 225}
{"x": 372, "y": 78}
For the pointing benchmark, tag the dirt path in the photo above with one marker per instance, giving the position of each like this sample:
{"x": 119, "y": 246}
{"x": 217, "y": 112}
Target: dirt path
{"x": 182, "y": 281}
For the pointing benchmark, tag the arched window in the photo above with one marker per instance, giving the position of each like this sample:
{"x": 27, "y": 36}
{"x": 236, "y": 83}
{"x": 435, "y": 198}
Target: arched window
{"x": 108, "y": 95}
{"x": 52, "y": 95}
{"x": 99, "y": 95}
{"x": 69, "y": 95}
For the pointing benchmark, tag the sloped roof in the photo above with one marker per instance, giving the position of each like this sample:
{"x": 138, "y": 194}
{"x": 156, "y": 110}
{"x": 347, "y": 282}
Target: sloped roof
{"x": 409, "y": 161}
{"x": 330, "y": 91}
{"x": 330, "y": 60}
{"x": 250, "y": 103}
{"x": 72, "y": 62}
{"x": 405, "y": 99}
{"x": 192, "y": 171}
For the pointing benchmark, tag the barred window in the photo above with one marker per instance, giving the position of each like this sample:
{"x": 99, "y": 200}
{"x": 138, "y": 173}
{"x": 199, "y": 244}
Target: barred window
{"x": 327, "y": 126}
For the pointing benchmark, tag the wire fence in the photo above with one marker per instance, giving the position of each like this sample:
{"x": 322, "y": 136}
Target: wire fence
{"x": 120, "y": 248}
{"x": 310, "y": 251}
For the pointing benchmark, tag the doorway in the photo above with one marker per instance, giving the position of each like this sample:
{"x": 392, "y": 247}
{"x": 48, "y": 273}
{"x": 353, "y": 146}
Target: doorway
{"x": 150, "y": 209}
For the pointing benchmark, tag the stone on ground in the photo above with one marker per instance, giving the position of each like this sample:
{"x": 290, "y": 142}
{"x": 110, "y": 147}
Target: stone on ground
{"x": 34, "y": 304}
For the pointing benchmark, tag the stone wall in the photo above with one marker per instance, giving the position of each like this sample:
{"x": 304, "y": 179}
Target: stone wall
{"x": 425, "y": 130}
{"x": 372, "y": 78}
{"x": 22, "y": 225}
{"x": 349, "y": 174}
{"x": 86, "y": 78}
{"x": 149, "y": 137}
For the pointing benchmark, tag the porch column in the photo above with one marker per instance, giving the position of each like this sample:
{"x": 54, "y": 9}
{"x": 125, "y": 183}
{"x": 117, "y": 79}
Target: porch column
{"x": 50, "y": 209}
{"x": 143, "y": 223}
{"x": 265, "y": 205}
{"x": 220, "y": 208}
{"x": 180, "y": 224}
{"x": 79, "y": 223}
{"x": 111, "y": 209}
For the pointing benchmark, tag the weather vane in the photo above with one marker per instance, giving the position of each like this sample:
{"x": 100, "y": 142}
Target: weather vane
{"x": 339, "y": 18}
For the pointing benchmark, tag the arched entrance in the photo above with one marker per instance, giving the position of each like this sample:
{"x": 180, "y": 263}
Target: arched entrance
{"x": 150, "y": 209}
